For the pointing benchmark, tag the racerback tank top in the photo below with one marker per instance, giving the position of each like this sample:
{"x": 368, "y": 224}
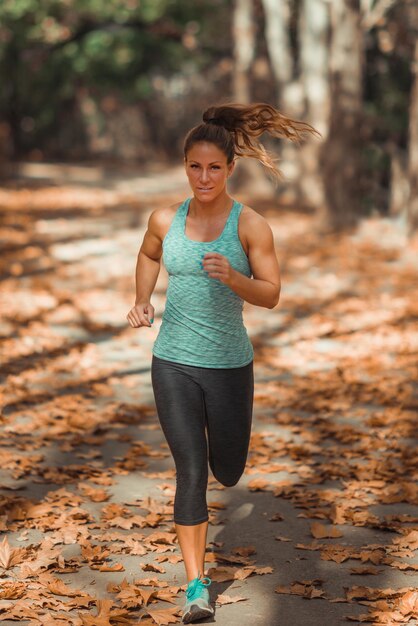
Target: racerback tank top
{"x": 202, "y": 323}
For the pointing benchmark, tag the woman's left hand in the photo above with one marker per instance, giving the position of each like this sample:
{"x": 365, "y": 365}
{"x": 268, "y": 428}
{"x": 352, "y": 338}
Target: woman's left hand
{"x": 217, "y": 266}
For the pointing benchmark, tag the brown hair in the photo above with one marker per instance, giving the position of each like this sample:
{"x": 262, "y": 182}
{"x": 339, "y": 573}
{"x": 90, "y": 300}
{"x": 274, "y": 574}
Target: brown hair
{"x": 233, "y": 128}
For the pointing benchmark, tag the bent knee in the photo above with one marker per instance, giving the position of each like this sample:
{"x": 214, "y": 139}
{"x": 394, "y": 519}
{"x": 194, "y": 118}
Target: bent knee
{"x": 227, "y": 481}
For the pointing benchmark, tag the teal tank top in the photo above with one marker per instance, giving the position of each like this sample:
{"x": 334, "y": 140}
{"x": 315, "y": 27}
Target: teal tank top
{"x": 202, "y": 323}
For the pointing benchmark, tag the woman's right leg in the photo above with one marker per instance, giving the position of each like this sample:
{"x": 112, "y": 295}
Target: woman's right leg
{"x": 181, "y": 412}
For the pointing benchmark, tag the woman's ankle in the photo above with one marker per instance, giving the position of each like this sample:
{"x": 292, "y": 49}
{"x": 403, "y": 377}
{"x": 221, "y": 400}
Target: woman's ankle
{"x": 192, "y": 576}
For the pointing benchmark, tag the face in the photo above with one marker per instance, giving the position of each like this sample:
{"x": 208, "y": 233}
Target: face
{"x": 207, "y": 170}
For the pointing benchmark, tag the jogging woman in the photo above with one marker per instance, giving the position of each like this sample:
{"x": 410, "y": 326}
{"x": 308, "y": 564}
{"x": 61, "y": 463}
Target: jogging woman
{"x": 218, "y": 253}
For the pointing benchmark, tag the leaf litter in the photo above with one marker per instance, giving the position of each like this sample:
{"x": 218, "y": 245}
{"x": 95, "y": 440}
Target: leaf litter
{"x": 339, "y": 413}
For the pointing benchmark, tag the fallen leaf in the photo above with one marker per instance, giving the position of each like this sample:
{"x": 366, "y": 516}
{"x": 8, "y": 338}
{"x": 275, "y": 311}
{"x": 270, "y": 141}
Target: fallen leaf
{"x": 164, "y": 616}
{"x": 320, "y": 531}
{"x": 225, "y": 599}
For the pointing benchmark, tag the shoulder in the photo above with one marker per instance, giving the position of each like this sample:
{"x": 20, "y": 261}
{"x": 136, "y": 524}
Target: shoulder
{"x": 250, "y": 217}
{"x": 254, "y": 227}
{"x": 160, "y": 219}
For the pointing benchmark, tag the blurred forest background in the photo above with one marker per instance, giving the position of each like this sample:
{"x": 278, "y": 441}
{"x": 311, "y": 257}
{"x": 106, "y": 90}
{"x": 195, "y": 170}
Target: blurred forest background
{"x": 95, "y": 99}
{"x": 121, "y": 81}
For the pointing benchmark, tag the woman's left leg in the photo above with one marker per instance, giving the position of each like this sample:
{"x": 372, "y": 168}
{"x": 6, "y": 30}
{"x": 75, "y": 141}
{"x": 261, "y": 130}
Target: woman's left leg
{"x": 228, "y": 395}
{"x": 192, "y": 541}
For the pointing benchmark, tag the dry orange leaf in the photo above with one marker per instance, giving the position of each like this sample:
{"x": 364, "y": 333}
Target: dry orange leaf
{"x": 152, "y": 567}
{"x": 408, "y": 604}
{"x": 168, "y": 595}
{"x": 320, "y": 531}
{"x": 106, "y": 616}
{"x": 259, "y": 484}
{"x": 146, "y": 594}
{"x": 9, "y": 557}
{"x": 12, "y": 590}
{"x": 95, "y": 495}
{"x": 117, "y": 567}
{"x": 216, "y": 505}
{"x": 59, "y": 588}
{"x": 224, "y": 599}
{"x": 244, "y": 550}
{"x": 304, "y": 588}
{"x": 164, "y": 616}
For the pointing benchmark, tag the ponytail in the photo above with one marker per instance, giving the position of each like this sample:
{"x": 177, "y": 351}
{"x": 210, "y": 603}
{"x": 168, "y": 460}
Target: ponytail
{"x": 234, "y": 127}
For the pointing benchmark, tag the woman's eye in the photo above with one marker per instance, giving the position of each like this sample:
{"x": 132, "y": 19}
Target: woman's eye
{"x": 214, "y": 167}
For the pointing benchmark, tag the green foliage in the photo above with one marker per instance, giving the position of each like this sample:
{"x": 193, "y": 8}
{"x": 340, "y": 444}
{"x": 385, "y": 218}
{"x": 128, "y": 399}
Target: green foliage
{"x": 51, "y": 48}
{"x": 51, "y": 51}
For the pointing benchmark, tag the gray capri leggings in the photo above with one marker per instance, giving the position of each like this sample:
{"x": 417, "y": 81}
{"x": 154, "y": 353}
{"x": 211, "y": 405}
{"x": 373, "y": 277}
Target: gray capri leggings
{"x": 190, "y": 399}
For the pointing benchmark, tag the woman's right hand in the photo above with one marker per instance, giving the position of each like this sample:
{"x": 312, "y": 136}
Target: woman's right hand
{"x": 142, "y": 314}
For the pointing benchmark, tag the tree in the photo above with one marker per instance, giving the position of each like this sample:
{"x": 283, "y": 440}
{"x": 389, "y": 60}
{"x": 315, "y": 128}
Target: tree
{"x": 244, "y": 45}
{"x": 280, "y": 23}
{"x": 413, "y": 143}
{"x": 51, "y": 50}
{"x": 249, "y": 173}
{"x": 314, "y": 28}
{"x": 341, "y": 153}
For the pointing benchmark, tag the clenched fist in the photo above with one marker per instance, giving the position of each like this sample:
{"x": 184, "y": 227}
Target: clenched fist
{"x": 217, "y": 266}
{"x": 142, "y": 314}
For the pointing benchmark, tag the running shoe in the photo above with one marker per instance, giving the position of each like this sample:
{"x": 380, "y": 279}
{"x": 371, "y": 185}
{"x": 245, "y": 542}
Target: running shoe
{"x": 197, "y": 600}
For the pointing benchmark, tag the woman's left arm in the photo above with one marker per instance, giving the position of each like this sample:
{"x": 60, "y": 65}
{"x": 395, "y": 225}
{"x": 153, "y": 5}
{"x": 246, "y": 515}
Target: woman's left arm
{"x": 264, "y": 288}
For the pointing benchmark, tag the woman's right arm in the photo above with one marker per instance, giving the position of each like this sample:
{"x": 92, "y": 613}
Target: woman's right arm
{"x": 146, "y": 272}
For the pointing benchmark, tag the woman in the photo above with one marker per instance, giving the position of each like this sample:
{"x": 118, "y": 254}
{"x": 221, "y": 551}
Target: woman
{"x": 218, "y": 253}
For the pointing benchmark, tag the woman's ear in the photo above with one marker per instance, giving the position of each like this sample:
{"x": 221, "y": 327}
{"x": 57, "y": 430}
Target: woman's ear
{"x": 231, "y": 168}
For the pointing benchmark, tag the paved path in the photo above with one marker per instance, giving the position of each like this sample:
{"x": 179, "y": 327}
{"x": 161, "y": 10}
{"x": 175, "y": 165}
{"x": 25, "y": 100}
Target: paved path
{"x": 333, "y": 379}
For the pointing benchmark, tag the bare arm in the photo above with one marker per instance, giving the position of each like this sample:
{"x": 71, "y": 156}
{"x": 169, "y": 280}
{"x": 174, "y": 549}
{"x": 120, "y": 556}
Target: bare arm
{"x": 264, "y": 288}
{"x": 147, "y": 265}
{"x": 146, "y": 272}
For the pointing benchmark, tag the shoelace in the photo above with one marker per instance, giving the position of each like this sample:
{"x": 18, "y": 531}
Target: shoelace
{"x": 195, "y": 586}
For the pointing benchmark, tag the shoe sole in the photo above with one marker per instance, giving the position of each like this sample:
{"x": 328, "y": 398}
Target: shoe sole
{"x": 198, "y": 613}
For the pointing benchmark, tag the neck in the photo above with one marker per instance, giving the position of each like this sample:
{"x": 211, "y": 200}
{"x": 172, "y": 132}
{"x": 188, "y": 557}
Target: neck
{"x": 220, "y": 205}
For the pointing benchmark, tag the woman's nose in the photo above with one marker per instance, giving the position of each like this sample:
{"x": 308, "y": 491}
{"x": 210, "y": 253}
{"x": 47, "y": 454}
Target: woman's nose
{"x": 204, "y": 174}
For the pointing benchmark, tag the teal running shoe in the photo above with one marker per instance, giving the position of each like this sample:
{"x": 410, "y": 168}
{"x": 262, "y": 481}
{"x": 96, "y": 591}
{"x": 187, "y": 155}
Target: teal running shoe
{"x": 197, "y": 600}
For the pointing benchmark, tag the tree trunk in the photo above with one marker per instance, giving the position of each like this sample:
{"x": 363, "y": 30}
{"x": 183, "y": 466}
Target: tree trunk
{"x": 249, "y": 176}
{"x": 13, "y": 113}
{"x": 399, "y": 183}
{"x": 244, "y": 43}
{"x": 289, "y": 88}
{"x": 413, "y": 150}
{"x": 277, "y": 18}
{"x": 314, "y": 58}
{"x": 340, "y": 158}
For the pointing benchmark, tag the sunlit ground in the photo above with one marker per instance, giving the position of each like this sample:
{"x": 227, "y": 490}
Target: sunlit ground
{"x": 327, "y": 507}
